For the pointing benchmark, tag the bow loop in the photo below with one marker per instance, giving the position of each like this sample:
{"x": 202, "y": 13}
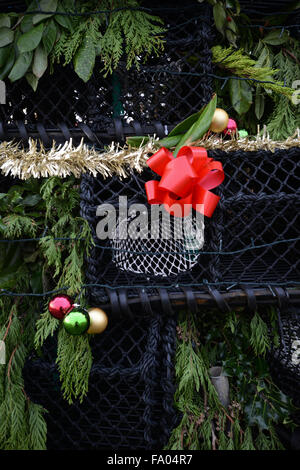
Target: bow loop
{"x": 159, "y": 160}
{"x": 185, "y": 181}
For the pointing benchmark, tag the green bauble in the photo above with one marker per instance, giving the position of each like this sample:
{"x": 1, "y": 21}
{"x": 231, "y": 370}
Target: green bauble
{"x": 243, "y": 134}
{"x": 77, "y": 321}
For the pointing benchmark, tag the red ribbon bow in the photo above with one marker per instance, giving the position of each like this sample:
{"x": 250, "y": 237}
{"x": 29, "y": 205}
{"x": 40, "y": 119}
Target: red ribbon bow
{"x": 185, "y": 181}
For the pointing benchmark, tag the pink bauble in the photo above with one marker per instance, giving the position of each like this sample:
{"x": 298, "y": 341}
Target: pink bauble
{"x": 231, "y": 127}
{"x": 60, "y": 305}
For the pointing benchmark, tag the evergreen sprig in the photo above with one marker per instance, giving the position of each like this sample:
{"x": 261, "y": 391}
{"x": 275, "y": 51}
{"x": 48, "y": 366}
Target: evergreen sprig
{"x": 74, "y": 360}
{"x": 284, "y": 124}
{"x": 51, "y": 207}
{"x": 30, "y": 43}
{"x": 238, "y": 63}
{"x": 22, "y": 425}
{"x": 237, "y": 344}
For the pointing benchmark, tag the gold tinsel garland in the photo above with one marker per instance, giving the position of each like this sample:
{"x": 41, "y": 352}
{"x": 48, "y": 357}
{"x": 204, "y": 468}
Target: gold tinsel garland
{"x": 64, "y": 160}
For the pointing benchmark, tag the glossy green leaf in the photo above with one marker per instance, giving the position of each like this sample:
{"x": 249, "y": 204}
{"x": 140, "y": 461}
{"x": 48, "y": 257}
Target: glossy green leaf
{"x": 21, "y": 66}
{"x": 137, "y": 141}
{"x": 276, "y": 37}
{"x": 231, "y": 32}
{"x": 220, "y": 17}
{"x": 4, "y": 55}
{"x": 32, "y": 80}
{"x": 259, "y": 103}
{"x": 84, "y": 59}
{"x": 49, "y": 36}
{"x": 231, "y": 37}
{"x": 6, "y": 36}
{"x": 29, "y": 41}
{"x": 40, "y": 61}
{"x": 5, "y": 21}
{"x": 261, "y": 61}
{"x": 26, "y": 23}
{"x": 31, "y": 200}
{"x": 63, "y": 20}
{"x": 200, "y": 127}
{"x": 170, "y": 141}
{"x": 45, "y": 5}
{"x": 240, "y": 95}
{"x": 8, "y": 63}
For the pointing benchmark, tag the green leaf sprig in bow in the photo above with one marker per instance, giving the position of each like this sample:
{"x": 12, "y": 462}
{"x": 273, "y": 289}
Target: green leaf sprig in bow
{"x": 186, "y": 132}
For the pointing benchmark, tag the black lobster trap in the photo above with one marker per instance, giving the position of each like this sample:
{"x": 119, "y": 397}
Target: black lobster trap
{"x": 251, "y": 244}
{"x": 129, "y": 402}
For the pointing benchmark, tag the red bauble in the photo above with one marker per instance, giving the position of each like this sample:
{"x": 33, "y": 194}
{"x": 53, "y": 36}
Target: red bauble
{"x": 60, "y": 305}
{"x": 231, "y": 127}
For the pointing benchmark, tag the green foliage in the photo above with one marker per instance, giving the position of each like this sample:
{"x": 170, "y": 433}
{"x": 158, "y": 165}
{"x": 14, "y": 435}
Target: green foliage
{"x": 186, "y": 132}
{"x": 237, "y": 344}
{"x": 268, "y": 55}
{"x": 224, "y": 14}
{"x": 46, "y": 325}
{"x": 237, "y": 63}
{"x": 284, "y": 124}
{"x": 22, "y": 426}
{"x": 33, "y": 267}
{"x": 141, "y": 33}
{"x": 74, "y": 362}
{"x": 199, "y": 127}
{"x": 42, "y": 40}
{"x": 259, "y": 339}
{"x": 37, "y": 427}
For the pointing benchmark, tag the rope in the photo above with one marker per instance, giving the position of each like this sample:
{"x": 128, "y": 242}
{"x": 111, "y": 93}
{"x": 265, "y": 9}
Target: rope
{"x": 219, "y": 252}
{"x": 4, "y": 292}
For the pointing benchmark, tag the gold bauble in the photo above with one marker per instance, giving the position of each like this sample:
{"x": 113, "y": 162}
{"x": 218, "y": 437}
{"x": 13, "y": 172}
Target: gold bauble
{"x": 98, "y": 321}
{"x": 219, "y": 121}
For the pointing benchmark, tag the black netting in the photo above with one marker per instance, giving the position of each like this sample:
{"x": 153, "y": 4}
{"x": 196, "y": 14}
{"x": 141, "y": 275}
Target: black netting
{"x": 159, "y": 91}
{"x": 284, "y": 360}
{"x": 130, "y": 398}
{"x": 60, "y": 98}
{"x": 259, "y": 206}
{"x": 6, "y": 182}
{"x": 266, "y": 7}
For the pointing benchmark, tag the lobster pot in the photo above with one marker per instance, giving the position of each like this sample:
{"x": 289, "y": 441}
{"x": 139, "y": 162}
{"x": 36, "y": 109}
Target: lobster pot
{"x": 285, "y": 359}
{"x": 251, "y": 239}
{"x": 148, "y": 99}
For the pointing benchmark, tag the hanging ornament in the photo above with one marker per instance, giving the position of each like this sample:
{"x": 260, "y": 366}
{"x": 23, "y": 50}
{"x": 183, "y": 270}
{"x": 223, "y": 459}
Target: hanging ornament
{"x": 243, "y": 134}
{"x": 231, "y": 127}
{"x": 219, "y": 121}
{"x": 60, "y": 305}
{"x": 77, "y": 321}
{"x": 98, "y": 321}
